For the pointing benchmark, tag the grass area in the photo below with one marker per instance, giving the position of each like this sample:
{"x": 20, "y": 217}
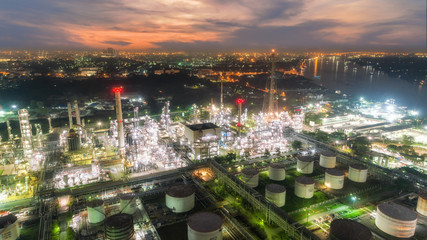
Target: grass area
{"x": 30, "y": 232}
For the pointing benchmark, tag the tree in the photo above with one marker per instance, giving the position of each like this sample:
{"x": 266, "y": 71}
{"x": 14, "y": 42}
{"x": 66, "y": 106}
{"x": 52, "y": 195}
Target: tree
{"x": 361, "y": 146}
{"x": 296, "y": 145}
{"x": 267, "y": 153}
{"x": 407, "y": 140}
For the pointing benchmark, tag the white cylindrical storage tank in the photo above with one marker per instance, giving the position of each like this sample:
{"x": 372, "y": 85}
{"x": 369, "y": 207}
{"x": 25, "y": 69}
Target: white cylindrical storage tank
{"x": 358, "y": 172}
{"x": 304, "y": 187}
{"x": 334, "y": 178}
{"x": 328, "y": 160}
{"x": 396, "y": 220}
{"x": 250, "y": 176}
{"x": 276, "y": 194}
{"x": 422, "y": 204}
{"x": 180, "y": 198}
{"x": 9, "y": 227}
{"x": 346, "y": 229}
{"x": 96, "y": 211}
{"x": 305, "y": 164}
{"x": 277, "y": 171}
{"x": 204, "y": 226}
{"x": 128, "y": 203}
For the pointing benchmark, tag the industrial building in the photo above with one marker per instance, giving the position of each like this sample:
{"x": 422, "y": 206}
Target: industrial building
{"x": 203, "y": 139}
{"x": 277, "y": 171}
{"x": 304, "y": 187}
{"x": 180, "y": 198}
{"x": 204, "y": 226}
{"x": 396, "y": 220}
{"x": 119, "y": 227}
{"x": 96, "y": 211}
{"x": 128, "y": 203}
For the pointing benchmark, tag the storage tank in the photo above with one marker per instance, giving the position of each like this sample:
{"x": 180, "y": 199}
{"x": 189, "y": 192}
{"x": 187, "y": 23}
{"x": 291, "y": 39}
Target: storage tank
{"x": 358, "y": 173}
{"x": 276, "y": 194}
{"x": 396, "y": 220}
{"x": 334, "y": 178}
{"x": 180, "y": 198}
{"x": 346, "y": 229}
{"x": 128, "y": 203}
{"x": 305, "y": 164}
{"x": 277, "y": 171}
{"x": 250, "y": 176}
{"x": 304, "y": 187}
{"x": 328, "y": 160}
{"x": 204, "y": 226}
{"x": 119, "y": 227}
{"x": 96, "y": 211}
{"x": 422, "y": 204}
{"x": 9, "y": 227}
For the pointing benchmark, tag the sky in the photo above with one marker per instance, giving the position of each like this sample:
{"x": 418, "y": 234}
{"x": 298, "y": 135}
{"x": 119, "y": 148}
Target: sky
{"x": 213, "y": 24}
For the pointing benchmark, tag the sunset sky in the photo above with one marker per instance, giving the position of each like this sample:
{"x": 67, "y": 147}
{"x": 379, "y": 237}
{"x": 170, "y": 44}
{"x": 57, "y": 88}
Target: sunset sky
{"x": 213, "y": 24}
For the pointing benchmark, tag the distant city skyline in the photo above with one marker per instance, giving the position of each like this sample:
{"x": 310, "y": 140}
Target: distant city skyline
{"x": 213, "y": 24}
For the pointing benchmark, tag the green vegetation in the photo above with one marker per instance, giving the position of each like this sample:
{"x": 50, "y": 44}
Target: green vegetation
{"x": 54, "y": 232}
{"x": 296, "y": 145}
{"x": 361, "y": 146}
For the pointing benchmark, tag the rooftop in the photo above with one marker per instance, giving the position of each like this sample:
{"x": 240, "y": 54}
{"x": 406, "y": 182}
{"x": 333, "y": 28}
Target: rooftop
{"x": 304, "y": 180}
{"x": 202, "y": 126}
{"x": 397, "y": 211}
{"x": 205, "y": 222}
{"x": 180, "y": 191}
{"x": 335, "y": 172}
{"x": 275, "y": 188}
{"x": 346, "y": 229}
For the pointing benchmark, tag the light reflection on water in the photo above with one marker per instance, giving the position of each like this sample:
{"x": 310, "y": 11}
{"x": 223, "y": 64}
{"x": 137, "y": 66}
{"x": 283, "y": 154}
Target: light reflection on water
{"x": 339, "y": 74}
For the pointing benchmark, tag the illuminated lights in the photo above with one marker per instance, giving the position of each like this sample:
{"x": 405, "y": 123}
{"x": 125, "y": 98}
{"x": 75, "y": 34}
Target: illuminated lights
{"x": 240, "y": 101}
{"x": 117, "y": 89}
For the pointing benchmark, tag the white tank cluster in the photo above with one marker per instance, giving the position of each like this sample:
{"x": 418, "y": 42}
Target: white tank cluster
{"x": 250, "y": 176}
{"x": 96, "y": 211}
{"x": 204, "y": 226}
{"x": 276, "y": 194}
{"x": 119, "y": 227}
{"x": 396, "y": 220}
{"x": 422, "y": 204}
{"x": 305, "y": 164}
{"x": 180, "y": 198}
{"x": 277, "y": 171}
{"x": 128, "y": 203}
{"x": 328, "y": 160}
{"x": 9, "y": 227}
{"x": 346, "y": 229}
{"x": 358, "y": 173}
{"x": 304, "y": 187}
{"x": 334, "y": 178}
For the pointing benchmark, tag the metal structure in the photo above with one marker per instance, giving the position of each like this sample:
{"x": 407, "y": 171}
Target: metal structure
{"x": 26, "y": 135}
{"x": 121, "y": 135}
{"x": 270, "y": 105}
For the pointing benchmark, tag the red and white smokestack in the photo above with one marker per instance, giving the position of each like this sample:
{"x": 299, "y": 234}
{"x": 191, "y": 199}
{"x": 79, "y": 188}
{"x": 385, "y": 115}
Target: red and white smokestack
{"x": 70, "y": 115}
{"x": 239, "y": 101}
{"x": 117, "y": 91}
{"x": 76, "y": 106}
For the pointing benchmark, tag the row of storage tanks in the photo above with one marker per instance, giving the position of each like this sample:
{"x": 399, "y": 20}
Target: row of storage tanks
{"x": 179, "y": 198}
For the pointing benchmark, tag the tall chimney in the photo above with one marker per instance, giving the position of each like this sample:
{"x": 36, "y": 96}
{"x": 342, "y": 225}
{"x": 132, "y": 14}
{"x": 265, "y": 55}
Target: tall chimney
{"x": 117, "y": 91}
{"x": 70, "y": 115}
{"x": 9, "y": 131}
{"x": 76, "y": 106}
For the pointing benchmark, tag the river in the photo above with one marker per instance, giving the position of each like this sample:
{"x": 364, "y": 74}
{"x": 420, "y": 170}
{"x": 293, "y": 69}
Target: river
{"x": 360, "y": 81}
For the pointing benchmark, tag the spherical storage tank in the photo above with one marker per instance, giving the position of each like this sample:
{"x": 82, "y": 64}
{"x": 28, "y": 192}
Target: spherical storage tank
{"x": 9, "y": 228}
{"x": 277, "y": 171}
{"x": 304, "y": 187}
{"x": 180, "y": 198}
{"x": 396, "y": 220}
{"x": 305, "y": 164}
{"x": 276, "y": 194}
{"x": 358, "y": 173}
{"x": 346, "y": 229}
{"x": 119, "y": 227}
{"x": 334, "y": 178}
{"x": 128, "y": 203}
{"x": 422, "y": 204}
{"x": 327, "y": 160}
{"x": 250, "y": 176}
{"x": 96, "y": 211}
{"x": 204, "y": 226}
